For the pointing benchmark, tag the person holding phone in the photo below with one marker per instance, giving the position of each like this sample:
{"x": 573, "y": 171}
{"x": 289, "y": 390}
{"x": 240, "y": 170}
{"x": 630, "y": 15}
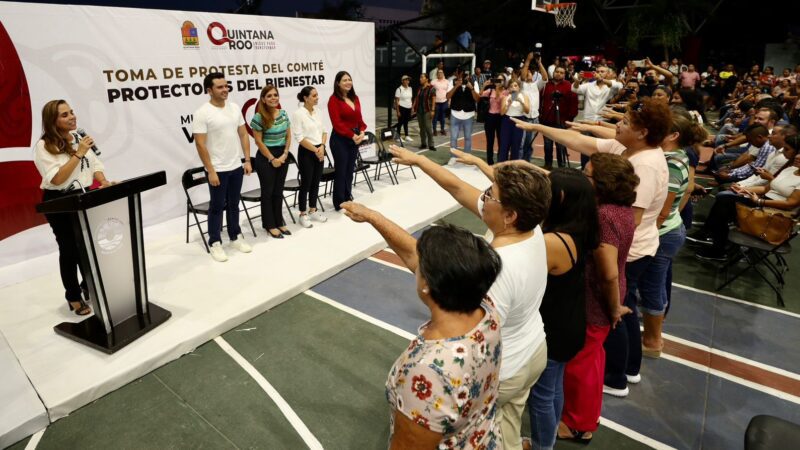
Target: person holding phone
{"x": 67, "y": 164}
{"x": 495, "y": 90}
{"x": 462, "y": 97}
{"x": 344, "y": 110}
{"x": 515, "y": 105}
{"x": 597, "y": 90}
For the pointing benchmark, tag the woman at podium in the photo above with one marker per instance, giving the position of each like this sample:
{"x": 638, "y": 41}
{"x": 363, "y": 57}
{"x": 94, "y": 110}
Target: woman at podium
{"x": 66, "y": 162}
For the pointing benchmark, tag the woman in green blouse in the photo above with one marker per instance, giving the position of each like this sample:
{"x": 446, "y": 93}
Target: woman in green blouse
{"x": 273, "y": 136}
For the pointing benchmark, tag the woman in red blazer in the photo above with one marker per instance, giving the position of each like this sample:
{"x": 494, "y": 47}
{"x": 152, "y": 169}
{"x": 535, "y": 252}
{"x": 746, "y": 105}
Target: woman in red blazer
{"x": 344, "y": 110}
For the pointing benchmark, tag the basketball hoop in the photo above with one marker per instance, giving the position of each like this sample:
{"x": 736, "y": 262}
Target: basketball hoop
{"x": 564, "y": 12}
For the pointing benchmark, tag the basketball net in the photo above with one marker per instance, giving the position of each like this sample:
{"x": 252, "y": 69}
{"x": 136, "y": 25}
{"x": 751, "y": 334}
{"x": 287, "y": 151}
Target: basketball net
{"x": 564, "y": 12}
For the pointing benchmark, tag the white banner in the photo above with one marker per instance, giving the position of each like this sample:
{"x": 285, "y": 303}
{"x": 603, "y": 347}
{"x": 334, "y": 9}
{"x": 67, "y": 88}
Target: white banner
{"x": 134, "y": 78}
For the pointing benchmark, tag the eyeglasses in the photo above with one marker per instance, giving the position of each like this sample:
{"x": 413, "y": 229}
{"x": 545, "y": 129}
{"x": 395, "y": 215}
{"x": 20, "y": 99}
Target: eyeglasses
{"x": 488, "y": 194}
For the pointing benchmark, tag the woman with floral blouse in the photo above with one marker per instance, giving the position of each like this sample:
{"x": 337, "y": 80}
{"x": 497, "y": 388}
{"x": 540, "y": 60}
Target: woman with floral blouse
{"x": 443, "y": 389}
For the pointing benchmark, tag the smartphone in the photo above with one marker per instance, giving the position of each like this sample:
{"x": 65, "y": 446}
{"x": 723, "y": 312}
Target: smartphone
{"x": 638, "y": 63}
{"x": 587, "y": 75}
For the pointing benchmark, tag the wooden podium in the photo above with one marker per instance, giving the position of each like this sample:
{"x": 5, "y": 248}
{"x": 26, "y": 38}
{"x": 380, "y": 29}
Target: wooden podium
{"x": 108, "y": 230}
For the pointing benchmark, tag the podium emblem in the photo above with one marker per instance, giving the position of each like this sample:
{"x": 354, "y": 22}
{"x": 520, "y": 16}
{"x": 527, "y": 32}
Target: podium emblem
{"x": 109, "y": 235}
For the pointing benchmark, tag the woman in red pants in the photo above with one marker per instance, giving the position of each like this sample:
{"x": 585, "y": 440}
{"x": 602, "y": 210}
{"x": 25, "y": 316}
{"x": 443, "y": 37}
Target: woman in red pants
{"x": 615, "y": 183}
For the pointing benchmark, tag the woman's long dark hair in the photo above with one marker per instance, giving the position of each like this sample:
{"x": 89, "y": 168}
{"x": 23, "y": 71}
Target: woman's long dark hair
{"x": 337, "y": 92}
{"x": 573, "y": 209}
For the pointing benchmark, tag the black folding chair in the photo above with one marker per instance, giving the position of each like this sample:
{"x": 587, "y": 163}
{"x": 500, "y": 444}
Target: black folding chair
{"x": 192, "y": 178}
{"x": 328, "y": 175}
{"x": 382, "y": 158}
{"x": 758, "y": 253}
{"x": 392, "y": 135}
{"x": 291, "y": 185}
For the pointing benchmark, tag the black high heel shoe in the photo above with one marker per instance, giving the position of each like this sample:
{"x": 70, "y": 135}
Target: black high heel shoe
{"x": 285, "y": 232}
{"x": 275, "y": 236}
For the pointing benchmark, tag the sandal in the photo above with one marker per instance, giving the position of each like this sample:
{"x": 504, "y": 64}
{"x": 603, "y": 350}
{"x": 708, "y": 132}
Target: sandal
{"x": 82, "y": 309}
{"x": 575, "y": 435}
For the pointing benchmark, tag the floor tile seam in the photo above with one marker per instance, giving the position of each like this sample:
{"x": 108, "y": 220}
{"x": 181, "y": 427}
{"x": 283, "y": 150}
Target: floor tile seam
{"x": 733, "y": 357}
{"x": 732, "y": 378}
{"x": 402, "y": 333}
{"x": 196, "y": 412}
{"x": 289, "y": 414}
{"x": 738, "y": 300}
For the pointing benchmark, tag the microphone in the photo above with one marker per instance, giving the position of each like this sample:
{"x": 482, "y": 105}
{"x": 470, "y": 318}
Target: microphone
{"x": 82, "y": 134}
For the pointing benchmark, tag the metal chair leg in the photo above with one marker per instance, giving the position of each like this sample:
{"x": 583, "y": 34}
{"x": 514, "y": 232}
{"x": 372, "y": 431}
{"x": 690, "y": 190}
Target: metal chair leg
{"x": 289, "y": 209}
{"x": 249, "y": 220}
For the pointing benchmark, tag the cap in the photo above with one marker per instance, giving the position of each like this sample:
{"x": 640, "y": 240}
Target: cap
{"x": 405, "y": 77}
{"x": 487, "y": 61}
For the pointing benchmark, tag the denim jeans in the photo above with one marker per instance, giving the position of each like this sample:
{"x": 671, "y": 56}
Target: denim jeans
{"x": 456, "y": 126}
{"x": 527, "y": 140}
{"x": 440, "y": 115}
{"x": 545, "y": 403}
{"x": 624, "y": 343}
{"x": 225, "y": 197}
{"x": 717, "y": 161}
{"x": 652, "y": 284}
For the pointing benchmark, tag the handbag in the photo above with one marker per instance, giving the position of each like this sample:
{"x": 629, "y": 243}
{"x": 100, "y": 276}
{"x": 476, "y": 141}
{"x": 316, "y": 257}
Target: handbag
{"x": 769, "y": 224}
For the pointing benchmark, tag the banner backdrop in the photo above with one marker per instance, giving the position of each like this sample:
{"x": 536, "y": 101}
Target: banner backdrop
{"x": 134, "y": 77}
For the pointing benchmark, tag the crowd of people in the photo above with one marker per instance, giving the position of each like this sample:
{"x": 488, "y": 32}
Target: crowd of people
{"x": 544, "y": 312}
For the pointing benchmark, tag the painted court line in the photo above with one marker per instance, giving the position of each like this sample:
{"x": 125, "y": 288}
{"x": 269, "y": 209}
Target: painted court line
{"x": 378, "y": 323}
{"x": 388, "y": 264}
{"x": 287, "y": 410}
{"x": 732, "y": 378}
{"x": 622, "y": 429}
{"x": 402, "y": 333}
{"x": 738, "y": 300}
{"x": 741, "y": 359}
{"x": 35, "y": 440}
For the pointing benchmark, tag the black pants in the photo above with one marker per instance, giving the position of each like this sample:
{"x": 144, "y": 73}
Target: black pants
{"x": 624, "y": 343}
{"x": 345, "y": 153}
{"x": 310, "y": 168}
{"x": 492, "y": 129}
{"x": 402, "y": 120}
{"x": 68, "y": 255}
{"x": 561, "y": 150}
{"x": 722, "y": 214}
{"x": 272, "y": 180}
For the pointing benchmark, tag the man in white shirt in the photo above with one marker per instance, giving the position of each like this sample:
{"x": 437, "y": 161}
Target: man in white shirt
{"x": 221, "y": 140}
{"x": 532, "y": 83}
{"x": 596, "y": 92}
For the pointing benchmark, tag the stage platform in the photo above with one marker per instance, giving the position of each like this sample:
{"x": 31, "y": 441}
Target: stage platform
{"x": 22, "y": 413}
{"x": 206, "y": 298}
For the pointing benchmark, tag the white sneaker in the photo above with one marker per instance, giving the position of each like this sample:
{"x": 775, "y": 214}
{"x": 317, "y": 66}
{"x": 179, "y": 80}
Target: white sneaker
{"x": 318, "y": 216}
{"x": 305, "y": 221}
{"x": 634, "y": 379}
{"x": 241, "y": 245}
{"x": 218, "y": 253}
{"x": 408, "y": 139}
{"x": 619, "y": 393}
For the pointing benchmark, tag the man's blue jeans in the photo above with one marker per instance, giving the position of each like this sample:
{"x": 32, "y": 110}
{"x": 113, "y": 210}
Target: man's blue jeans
{"x": 458, "y": 125}
{"x": 527, "y": 140}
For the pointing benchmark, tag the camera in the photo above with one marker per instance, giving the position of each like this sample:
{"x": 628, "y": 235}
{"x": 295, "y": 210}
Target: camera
{"x": 557, "y": 95}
